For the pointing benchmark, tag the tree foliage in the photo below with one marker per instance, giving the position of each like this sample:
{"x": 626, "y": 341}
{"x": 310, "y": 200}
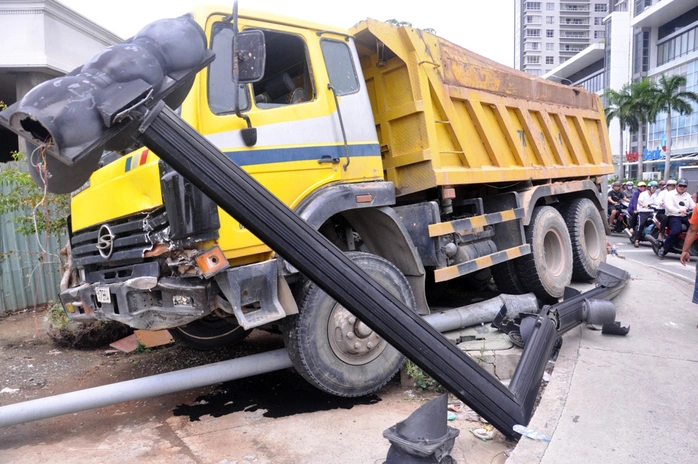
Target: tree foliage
{"x": 39, "y": 211}
{"x": 670, "y": 97}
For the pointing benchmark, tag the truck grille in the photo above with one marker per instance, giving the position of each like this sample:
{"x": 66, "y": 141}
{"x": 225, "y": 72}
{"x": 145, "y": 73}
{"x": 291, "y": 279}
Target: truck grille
{"x": 121, "y": 240}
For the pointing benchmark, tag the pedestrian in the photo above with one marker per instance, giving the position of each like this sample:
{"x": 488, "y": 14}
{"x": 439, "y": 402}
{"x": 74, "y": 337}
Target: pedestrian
{"x": 677, "y": 208}
{"x": 691, "y": 235}
{"x": 646, "y": 204}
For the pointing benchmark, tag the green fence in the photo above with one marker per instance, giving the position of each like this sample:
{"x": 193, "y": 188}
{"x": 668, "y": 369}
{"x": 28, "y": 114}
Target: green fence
{"x": 29, "y": 265}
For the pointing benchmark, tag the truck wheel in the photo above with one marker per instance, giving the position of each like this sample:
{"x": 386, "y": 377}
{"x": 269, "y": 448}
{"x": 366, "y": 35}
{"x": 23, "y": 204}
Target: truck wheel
{"x": 507, "y": 279}
{"x": 588, "y": 238}
{"x": 210, "y": 332}
{"x": 335, "y": 351}
{"x": 548, "y": 269}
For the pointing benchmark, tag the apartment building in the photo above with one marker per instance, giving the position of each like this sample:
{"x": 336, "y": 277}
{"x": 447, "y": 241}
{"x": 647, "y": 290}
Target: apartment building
{"x": 549, "y": 33}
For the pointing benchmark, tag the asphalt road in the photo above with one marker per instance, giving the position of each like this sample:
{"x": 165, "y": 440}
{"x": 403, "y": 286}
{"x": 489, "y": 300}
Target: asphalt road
{"x": 644, "y": 255}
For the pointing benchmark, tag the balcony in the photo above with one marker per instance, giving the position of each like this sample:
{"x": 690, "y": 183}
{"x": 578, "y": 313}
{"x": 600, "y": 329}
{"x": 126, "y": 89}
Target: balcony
{"x": 661, "y": 12}
{"x": 571, "y": 9}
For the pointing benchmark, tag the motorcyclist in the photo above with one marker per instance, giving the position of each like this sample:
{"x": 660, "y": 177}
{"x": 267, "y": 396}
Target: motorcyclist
{"x": 646, "y": 204}
{"x": 615, "y": 196}
{"x": 661, "y": 213}
{"x": 632, "y": 206}
{"x": 678, "y": 207}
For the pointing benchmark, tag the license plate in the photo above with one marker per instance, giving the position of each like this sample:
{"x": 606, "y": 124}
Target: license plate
{"x": 103, "y": 295}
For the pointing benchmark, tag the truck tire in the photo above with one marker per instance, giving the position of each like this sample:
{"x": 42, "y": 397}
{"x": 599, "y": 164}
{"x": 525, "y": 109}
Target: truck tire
{"x": 547, "y": 270}
{"x": 210, "y": 332}
{"x": 507, "y": 279}
{"x": 332, "y": 349}
{"x": 588, "y": 238}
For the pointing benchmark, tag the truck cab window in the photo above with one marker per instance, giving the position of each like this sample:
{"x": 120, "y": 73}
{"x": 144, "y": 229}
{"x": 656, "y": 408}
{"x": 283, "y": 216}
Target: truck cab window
{"x": 340, "y": 67}
{"x": 220, "y": 73}
{"x": 287, "y": 78}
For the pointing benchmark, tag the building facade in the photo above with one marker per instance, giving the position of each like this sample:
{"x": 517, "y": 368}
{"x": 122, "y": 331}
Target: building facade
{"x": 42, "y": 39}
{"x": 665, "y": 41}
{"x": 549, "y": 33}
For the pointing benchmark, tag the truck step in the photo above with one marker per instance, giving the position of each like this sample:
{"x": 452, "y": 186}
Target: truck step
{"x": 452, "y": 272}
{"x": 461, "y": 225}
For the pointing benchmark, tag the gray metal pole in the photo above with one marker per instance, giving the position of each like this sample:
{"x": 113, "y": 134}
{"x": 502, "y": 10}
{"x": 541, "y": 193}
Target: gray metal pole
{"x": 482, "y": 312}
{"x": 146, "y": 387}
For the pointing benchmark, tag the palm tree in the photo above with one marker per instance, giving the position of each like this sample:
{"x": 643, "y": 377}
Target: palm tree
{"x": 643, "y": 94}
{"x": 670, "y": 97}
{"x": 619, "y": 105}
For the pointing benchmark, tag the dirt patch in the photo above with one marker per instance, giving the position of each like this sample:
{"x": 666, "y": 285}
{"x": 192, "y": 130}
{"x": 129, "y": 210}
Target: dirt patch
{"x": 272, "y": 418}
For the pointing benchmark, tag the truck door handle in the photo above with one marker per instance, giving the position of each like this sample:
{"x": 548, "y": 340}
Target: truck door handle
{"x": 328, "y": 159}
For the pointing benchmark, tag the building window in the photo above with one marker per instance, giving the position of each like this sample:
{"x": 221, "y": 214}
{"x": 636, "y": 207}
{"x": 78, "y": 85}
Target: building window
{"x": 599, "y": 34}
{"x": 550, "y": 6}
{"x": 549, "y": 60}
{"x": 533, "y": 6}
{"x": 600, "y": 7}
{"x": 550, "y": 20}
{"x": 532, "y": 32}
{"x": 550, "y": 47}
{"x": 532, "y": 19}
{"x": 532, "y": 46}
{"x": 641, "y": 5}
{"x": 550, "y": 33}
{"x": 594, "y": 83}
{"x": 641, "y": 59}
{"x": 684, "y": 128}
{"x": 677, "y": 46}
{"x": 598, "y": 21}
{"x": 534, "y": 59}
{"x": 534, "y": 72}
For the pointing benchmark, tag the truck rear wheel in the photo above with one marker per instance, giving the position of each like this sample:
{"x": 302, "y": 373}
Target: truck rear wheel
{"x": 588, "y": 238}
{"x": 507, "y": 279}
{"x": 210, "y": 332}
{"x": 335, "y": 351}
{"x": 547, "y": 270}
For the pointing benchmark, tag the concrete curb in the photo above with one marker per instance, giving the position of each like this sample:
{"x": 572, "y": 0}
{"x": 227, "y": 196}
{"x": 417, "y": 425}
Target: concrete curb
{"x": 552, "y": 403}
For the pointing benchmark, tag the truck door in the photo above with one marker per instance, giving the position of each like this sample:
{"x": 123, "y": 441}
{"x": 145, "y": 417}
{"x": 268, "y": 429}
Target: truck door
{"x": 293, "y": 153}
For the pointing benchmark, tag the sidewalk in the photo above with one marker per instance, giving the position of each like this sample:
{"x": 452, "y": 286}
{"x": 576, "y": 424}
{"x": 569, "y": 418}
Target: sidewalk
{"x": 614, "y": 399}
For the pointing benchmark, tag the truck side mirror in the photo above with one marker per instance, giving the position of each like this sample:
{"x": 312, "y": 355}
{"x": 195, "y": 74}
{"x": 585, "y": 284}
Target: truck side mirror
{"x": 251, "y": 53}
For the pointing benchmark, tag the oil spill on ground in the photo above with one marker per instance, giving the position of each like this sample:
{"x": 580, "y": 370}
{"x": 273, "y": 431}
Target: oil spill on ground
{"x": 281, "y": 393}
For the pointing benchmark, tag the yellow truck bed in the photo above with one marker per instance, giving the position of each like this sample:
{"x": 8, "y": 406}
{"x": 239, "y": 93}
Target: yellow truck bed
{"x": 446, "y": 116}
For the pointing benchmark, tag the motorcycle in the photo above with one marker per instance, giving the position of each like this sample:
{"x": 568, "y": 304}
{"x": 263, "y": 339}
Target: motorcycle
{"x": 677, "y": 247}
{"x": 621, "y": 222}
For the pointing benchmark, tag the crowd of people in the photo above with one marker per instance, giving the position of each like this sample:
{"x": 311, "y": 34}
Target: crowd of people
{"x": 667, "y": 201}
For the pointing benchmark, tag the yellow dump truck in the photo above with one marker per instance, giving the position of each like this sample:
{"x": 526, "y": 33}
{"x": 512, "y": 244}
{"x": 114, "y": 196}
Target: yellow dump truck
{"x": 430, "y": 165}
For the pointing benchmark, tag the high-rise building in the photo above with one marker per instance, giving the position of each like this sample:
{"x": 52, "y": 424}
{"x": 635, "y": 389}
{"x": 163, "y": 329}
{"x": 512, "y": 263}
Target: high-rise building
{"x": 548, "y": 33}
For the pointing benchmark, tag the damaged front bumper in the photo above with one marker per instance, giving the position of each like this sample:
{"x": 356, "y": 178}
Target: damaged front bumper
{"x": 139, "y": 297}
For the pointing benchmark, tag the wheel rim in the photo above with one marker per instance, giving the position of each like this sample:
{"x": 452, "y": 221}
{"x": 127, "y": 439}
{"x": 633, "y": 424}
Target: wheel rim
{"x": 351, "y": 340}
{"x": 591, "y": 240}
{"x": 554, "y": 252}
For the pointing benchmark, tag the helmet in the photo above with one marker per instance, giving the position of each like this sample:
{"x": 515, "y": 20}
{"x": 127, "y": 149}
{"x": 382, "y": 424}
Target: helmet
{"x": 671, "y": 182}
{"x": 662, "y": 183}
{"x": 641, "y": 184}
{"x": 682, "y": 183}
{"x": 630, "y": 183}
{"x": 617, "y": 183}
{"x": 653, "y": 184}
